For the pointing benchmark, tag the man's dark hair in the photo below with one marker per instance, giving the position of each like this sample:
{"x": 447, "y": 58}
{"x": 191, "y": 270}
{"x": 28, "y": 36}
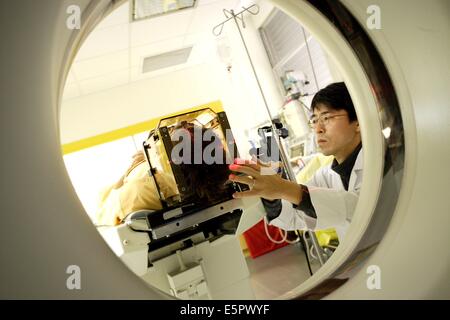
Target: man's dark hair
{"x": 336, "y": 97}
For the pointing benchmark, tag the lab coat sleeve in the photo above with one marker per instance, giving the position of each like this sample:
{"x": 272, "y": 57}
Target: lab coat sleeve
{"x": 276, "y": 208}
{"x": 292, "y": 219}
{"x": 333, "y": 207}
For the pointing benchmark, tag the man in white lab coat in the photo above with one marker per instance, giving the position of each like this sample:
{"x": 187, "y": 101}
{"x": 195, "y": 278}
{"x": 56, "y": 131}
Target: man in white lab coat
{"x": 327, "y": 200}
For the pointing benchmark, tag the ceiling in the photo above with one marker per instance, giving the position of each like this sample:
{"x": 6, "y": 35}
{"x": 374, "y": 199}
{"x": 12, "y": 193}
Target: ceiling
{"x": 113, "y": 53}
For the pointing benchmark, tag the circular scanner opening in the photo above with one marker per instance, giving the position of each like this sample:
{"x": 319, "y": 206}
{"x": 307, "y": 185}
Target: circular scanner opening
{"x": 355, "y": 59}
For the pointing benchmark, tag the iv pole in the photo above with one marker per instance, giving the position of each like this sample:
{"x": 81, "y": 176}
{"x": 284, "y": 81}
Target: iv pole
{"x": 217, "y": 31}
{"x": 239, "y": 16}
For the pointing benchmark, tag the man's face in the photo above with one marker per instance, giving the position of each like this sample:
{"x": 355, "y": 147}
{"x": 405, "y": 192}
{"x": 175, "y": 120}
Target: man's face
{"x": 335, "y": 134}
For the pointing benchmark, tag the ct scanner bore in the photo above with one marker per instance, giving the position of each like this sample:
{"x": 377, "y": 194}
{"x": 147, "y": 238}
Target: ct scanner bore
{"x": 43, "y": 230}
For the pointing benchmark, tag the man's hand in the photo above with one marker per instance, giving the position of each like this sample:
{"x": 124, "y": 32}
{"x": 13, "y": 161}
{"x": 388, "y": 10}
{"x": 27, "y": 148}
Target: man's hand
{"x": 264, "y": 182}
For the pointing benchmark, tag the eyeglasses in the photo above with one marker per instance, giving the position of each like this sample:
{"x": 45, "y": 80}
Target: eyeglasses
{"x": 323, "y": 120}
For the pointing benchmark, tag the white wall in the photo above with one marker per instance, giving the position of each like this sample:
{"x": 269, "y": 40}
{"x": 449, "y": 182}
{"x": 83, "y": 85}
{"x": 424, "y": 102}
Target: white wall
{"x": 140, "y": 101}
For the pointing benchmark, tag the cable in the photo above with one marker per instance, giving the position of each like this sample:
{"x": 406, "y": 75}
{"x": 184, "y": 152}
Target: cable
{"x": 310, "y": 59}
{"x": 284, "y": 237}
{"x": 311, "y": 253}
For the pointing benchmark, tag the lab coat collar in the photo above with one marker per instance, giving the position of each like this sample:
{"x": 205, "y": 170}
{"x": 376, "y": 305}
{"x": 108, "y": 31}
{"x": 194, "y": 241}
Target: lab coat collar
{"x": 359, "y": 163}
{"x": 346, "y": 168}
{"x": 356, "y": 172}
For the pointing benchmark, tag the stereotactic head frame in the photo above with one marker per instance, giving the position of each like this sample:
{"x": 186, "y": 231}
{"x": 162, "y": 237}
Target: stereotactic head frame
{"x": 159, "y": 150}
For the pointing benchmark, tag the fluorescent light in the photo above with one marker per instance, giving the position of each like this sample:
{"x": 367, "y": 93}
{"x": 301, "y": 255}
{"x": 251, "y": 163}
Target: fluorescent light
{"x": 143, "y": 9}
{"x": 165, "y": 60}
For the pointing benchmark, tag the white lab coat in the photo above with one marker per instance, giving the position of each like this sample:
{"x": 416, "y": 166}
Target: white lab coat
{"x": 333, "y": 205}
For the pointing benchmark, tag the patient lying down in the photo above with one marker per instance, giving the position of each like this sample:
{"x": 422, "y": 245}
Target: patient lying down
{"x": 134, "y": 191}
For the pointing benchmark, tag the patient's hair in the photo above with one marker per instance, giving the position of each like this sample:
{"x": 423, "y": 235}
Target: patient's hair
{"x": 206, "y": 180}
{"x": 337, "y": 97}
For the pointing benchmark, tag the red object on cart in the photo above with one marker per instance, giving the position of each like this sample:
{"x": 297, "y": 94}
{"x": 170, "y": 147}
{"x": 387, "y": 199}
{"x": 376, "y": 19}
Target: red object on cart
{"x": 257, "y": 241}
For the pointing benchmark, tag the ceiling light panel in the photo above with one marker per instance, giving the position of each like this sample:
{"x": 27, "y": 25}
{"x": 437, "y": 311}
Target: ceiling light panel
{"x": 143, "y": 9}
